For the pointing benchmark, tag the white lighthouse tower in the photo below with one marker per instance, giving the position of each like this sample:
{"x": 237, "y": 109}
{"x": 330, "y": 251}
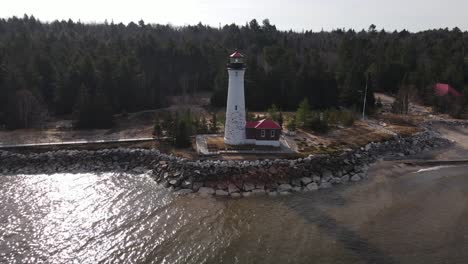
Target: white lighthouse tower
{"x": 234, "y": 132}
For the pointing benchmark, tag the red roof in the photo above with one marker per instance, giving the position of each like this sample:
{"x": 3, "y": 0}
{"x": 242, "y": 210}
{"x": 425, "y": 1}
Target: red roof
{"x": 251, "y": 124}
{"x": 263, "y": 124}
{"x": 442, "y": 89}
{"x": 236, "y": 54}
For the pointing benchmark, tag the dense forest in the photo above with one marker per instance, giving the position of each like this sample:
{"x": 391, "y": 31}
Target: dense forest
{"x": 92, "y": 71}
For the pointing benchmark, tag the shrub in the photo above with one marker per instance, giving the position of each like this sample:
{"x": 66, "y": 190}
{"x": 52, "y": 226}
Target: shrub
{"x": 379, "y": 104}
{"x": 303, "y": 113}
{"x": 182, "y": 134}
{"x": 347, "y": 118}
{"x": 273, "y": 112}
{"x": 318, "y": 125}
{"x": 317, "y": 122}
{"x": 214, "y": 123}
{"x": 291, "y": 124}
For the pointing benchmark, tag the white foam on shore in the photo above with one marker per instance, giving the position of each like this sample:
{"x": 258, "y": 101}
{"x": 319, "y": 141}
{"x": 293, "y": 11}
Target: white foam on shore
{"x": 433, "y": 168}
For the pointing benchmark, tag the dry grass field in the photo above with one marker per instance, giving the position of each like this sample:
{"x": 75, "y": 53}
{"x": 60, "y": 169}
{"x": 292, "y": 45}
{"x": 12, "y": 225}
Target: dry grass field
{"x": 380, "y": 128}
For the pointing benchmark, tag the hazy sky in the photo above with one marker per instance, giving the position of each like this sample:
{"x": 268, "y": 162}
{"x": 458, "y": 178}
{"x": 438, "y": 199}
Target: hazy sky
{"x": 413, "y": 15}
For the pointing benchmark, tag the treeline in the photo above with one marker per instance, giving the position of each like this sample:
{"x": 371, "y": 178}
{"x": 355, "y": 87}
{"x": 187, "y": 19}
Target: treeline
{"x": 95, "y": 70}
{"x": 304, "y": 117}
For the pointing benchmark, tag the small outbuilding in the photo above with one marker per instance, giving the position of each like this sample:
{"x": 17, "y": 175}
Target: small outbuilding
{"x": 263, "y": 133}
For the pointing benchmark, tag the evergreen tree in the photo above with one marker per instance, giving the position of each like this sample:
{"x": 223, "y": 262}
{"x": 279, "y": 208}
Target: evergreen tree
{"x": 401, "y": 103}
{"x": 214, "y": 123}
{"x": 83, "y": 109}
{"x": 303, "y": 113}
{"x": 291, "y": 125}
{"x": 378, "y": 103}
{"x": 157, "y": 129}
{"x": 182, "y": 134}
{"x": 250, "y": 116}
{"x": 168, "y": 125}
{"x": 183, "y": 129}
{"x": 196, "y": 125}
{"x": 273, "y": 112}
{"x": 280, "y": 119}
{"x": 174, "y": 128}
{"x": 203, "y": 126}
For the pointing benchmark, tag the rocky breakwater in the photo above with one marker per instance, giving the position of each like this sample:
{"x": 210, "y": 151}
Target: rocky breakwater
{"x": 282, "y": 177}
{"x": 221, "y": 177}
{"x": 451, "y": 123}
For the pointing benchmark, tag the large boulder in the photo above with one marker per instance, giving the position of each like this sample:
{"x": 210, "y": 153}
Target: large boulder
{"x": 206, "y": 191}
{"x": 258, "y": 192}
{"x": 284, "y": 187}
{"x": 306, "y": 180}
{"x": 296, "y": 182}
{"x": 355, "y": 178}
{"x": 235, "y": 195}
{"x": 248, "y": 186}
{"x": 246, "y": 194}
{"x": 174, "y": 182}
{"x": 345, "y": 178}
{"x": 312, "y": 187}
{"x": 186, "y": 184}
{"x": 197, "y": 185}
{"x": 221, "y": 193}
{"x": 184, "y": 191}
{"x": 232, "y": 188}
{"x": 336, "y": 180}
{"x": 296, "y": 189}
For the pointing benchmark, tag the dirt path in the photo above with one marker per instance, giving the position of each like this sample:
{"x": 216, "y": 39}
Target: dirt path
{"x": 414, "y": 108}
{"x": 460, "y": 137}
{"x": 79, "y": 142}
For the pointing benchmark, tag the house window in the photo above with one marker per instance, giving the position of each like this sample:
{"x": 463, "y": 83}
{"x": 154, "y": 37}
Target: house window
{"x": 236, "y": 107}
{"x": 272, "y": 133}
{"x": 262, "y": 133}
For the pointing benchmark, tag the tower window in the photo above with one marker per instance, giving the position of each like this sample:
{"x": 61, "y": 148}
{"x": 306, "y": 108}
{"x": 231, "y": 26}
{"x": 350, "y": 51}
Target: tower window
{"x": 272, "y": 133}
{"x": 236, "y": 107}
{"x": 262, "y": 133}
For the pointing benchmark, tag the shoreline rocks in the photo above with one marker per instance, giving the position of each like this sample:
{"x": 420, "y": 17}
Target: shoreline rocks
{"x": 225, "y": 178}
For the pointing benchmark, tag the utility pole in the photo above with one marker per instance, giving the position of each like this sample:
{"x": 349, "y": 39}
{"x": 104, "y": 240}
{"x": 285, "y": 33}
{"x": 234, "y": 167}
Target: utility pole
{"x": 365, "y": 99}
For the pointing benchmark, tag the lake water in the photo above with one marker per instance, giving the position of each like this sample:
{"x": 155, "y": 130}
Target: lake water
{"x": 399, "y": 215}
